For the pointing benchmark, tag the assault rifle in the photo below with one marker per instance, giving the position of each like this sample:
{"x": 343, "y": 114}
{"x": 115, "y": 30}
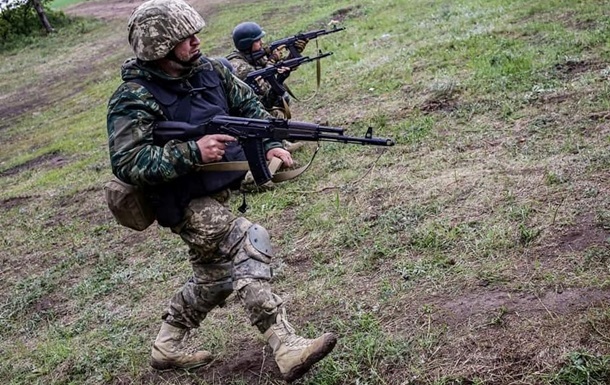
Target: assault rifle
{"x": 252, "y": 132}
{"x": 288, "y": 42}
{"x": 276, "y": 82}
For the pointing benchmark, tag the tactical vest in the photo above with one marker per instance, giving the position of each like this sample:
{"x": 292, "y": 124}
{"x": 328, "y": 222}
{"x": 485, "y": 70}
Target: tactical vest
{"x": 195, "y": 100}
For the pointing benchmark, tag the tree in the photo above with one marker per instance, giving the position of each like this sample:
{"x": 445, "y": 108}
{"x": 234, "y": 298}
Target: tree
{"x": 8, "y": 9}
{"x": 37, "y": 5}
{"x": 21, "y": 21}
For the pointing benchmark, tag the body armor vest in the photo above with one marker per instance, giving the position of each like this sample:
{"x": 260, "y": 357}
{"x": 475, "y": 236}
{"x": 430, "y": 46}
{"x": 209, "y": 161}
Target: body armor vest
{"x": 195, "y": 100}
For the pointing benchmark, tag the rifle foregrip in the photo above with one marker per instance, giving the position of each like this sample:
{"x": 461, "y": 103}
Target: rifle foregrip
{"x": 255, "y": 154}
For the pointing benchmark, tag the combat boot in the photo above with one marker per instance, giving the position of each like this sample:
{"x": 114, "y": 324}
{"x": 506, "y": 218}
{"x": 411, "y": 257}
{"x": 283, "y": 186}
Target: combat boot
{"x": 292, "y": 146}
{"x": 168, "y": 351}
{"x": 293, "y": 354}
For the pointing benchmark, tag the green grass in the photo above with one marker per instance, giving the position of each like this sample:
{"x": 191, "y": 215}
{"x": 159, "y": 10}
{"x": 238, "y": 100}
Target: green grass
{"x": 61, "y": 4}
{"x": 475, "y": 251}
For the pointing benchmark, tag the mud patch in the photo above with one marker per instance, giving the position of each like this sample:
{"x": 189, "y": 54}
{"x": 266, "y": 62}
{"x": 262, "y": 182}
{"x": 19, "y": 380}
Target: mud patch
{"x": 252, "y": 362}
{"x": 501, "y": 337}
{"x": 489, "y": 307}
{"x": 346, "y": 13}
{"x": 443, "y": 105}
{"x": 443, "y": 97}
{"x": 13, "y": 202}
{"x": 249, "y": 363}
{"x": 50, "y": 160}
{"x": 570, "y": 69}
{"x": 585, "y": 234}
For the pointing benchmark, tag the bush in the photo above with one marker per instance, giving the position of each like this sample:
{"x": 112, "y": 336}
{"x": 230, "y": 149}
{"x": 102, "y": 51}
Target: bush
{"x": 20, "y": 21}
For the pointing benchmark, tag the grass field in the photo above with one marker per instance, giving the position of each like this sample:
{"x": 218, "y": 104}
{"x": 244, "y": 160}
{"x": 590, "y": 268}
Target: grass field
{"x": 475, "y": 251}
{"x": 60, "y": 4}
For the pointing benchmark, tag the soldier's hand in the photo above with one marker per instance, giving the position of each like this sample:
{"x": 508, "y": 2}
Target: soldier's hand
{"x": 282, "y": 154}
{"x": 283, "y": 73}
{"x": 212, "y": 147}
{"x": 260, "y": 83}
{"x": 301, "y": 44}
{"x": 276, "y": 55}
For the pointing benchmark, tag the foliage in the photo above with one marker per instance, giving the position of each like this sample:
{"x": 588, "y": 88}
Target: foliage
{"x": 583, "y": 368}
{"x": 18, "y": 24}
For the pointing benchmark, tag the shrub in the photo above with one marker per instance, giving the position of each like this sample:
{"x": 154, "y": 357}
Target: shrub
{"x": 19, "y": 22}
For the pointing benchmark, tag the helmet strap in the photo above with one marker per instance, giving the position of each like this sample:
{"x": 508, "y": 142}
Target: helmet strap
{"x": 184, "y": 64}
{"x": 254, "y": 56}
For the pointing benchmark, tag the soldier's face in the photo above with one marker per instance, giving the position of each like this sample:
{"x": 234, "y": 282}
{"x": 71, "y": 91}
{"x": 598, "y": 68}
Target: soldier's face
{"x": 257, "y": 45}
{"x": 188, "y": 49}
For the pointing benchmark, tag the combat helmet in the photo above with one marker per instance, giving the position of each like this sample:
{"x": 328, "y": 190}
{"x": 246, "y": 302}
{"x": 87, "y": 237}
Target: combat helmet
{"x": 246, "y": 33}
{"x": 157, "y": 26}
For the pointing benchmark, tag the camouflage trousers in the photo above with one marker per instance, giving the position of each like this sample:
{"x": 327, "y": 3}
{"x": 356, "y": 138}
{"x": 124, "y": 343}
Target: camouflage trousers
{"x": 216, "y": 240}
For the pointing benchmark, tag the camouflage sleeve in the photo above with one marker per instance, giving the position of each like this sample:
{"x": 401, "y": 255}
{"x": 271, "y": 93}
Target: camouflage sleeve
{"x": 242, "y": 68}
{"x": 135, "y": 159}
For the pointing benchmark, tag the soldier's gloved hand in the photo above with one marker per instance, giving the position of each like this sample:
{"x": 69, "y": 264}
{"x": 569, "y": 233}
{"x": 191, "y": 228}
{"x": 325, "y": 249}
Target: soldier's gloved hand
{"x": 301, "y": 44}
{"x": 276, "y": 55}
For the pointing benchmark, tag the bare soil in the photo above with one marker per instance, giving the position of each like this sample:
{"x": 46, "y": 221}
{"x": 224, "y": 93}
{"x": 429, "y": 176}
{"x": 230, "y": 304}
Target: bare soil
{"x": 501, "y": 331}
{"x": 115, "y": 9}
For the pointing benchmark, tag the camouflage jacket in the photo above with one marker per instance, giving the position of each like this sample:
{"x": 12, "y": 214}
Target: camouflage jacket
{"x": 242, "y": 67}
{"x": 132, "y": 112}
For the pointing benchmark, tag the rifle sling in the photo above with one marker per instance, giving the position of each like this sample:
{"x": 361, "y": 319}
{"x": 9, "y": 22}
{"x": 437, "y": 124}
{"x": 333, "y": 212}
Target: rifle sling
{"x": 318, "y": 81}
{"x": 273, "y": 165}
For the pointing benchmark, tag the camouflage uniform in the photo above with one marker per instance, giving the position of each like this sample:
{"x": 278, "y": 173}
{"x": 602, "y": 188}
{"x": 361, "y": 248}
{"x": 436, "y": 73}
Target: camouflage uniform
{"x": 227, "y": 253}
{"x": 216, "y": 238}
{"x": 242, "y": 66}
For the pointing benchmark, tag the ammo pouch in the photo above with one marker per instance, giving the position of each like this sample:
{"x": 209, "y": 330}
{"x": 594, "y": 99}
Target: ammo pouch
{"x": 128, "y": 204}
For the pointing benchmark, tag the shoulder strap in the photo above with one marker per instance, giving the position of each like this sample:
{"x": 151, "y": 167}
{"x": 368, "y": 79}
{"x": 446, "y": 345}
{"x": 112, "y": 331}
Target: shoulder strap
{"x": 274, "y": 165}
{"x": 236, "y": 55}
{"x": 218, "y": 68}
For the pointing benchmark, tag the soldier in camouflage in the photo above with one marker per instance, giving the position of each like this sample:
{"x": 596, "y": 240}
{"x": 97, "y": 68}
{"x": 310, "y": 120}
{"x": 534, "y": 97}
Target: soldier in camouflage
{"x": 247, "y": 38}
{"x": 170, "y": 80}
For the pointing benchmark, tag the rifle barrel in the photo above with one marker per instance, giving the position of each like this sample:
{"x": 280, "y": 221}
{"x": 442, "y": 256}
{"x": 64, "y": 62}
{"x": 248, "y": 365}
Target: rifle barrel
{"x": 356, "y": 140}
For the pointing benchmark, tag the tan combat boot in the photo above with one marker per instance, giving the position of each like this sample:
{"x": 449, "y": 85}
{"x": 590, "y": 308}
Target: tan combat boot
{"x": 293, "y": 354}
{"x": 292, "y": 146}
{"x": 168, "y": 351}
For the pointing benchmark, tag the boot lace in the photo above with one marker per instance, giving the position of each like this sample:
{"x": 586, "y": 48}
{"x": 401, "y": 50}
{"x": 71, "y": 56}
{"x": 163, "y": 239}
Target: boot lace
{"x": 289, "y": 336}
{"x": 187, "y": 350}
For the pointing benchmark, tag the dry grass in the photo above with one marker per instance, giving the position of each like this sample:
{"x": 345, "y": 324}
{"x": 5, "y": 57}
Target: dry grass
{"x": 474, "y": 252}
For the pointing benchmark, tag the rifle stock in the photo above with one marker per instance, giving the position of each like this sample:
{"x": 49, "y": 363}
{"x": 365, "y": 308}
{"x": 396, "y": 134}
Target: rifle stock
{"x": 251, "y": 134}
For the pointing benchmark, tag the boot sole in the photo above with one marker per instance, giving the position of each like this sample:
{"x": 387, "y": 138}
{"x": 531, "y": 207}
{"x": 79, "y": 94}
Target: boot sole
{"x": 165, "y": 366}
{"x": 298, "y": 371}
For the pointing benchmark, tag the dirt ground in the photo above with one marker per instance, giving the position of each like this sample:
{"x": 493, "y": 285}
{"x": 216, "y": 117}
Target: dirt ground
{"x": 523, "y": 321}
{"x": 114, "y": 9}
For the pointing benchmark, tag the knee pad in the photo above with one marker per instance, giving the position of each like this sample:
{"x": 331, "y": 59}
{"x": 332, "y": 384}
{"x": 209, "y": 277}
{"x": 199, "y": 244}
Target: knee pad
{"x": 252, "y": 259}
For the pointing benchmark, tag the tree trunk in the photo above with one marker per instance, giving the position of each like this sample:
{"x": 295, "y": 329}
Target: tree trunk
{"x": 41, "y": 15}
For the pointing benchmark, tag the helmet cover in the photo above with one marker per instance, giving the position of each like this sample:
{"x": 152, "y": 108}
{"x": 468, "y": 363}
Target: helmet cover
{"x": 157, "y": 26}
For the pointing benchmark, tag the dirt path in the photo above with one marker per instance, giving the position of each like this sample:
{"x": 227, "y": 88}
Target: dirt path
{"x": 79, "y": 66}
{"x": 117, "y": 9}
